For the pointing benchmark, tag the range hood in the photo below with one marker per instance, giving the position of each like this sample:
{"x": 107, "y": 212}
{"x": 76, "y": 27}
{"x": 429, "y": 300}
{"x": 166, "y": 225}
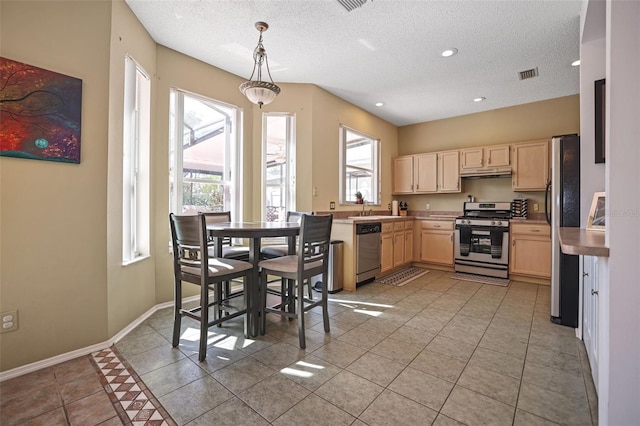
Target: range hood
{"x": 503, "y": 171}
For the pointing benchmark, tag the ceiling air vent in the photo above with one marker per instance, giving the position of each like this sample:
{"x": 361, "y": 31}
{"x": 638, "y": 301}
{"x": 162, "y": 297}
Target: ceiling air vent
{"x": 351, "y": 4}
{"x": 533, "y": 72}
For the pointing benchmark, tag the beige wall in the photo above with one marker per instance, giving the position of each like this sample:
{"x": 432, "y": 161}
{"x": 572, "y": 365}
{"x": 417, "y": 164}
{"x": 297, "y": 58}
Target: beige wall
{"x": 329, "y": 112}
{"x": 175, "y": 70}
{"x": 53, "y": 219}
{"x": 538, "y": 120}
{"x": 130, "y": 288}
{"x": 60, "y": 224}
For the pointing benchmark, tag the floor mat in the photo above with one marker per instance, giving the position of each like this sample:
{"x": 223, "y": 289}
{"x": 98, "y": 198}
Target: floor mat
{"x": 504, "y": 282}
{"x": 402, "y": 277}
{"x": 134, "y": 403}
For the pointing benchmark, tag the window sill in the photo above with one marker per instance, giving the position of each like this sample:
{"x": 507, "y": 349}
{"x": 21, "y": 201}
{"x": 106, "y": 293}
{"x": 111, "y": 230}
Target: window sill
{"x": 136, "y": 260}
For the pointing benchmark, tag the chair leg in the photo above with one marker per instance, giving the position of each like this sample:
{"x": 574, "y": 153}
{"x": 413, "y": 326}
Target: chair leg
{"x": 217, "y": 312}
{"x": 177, "y": 316}
{"x": 325, "y": 307}
{"x": 262, "y": 290}
{"x": 300, "y": 315}
{"x": 246, "y": 306}
{"x": 204, "y": 321}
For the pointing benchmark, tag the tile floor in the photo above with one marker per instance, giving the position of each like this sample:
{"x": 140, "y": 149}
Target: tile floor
{"x": 435, "y": 351}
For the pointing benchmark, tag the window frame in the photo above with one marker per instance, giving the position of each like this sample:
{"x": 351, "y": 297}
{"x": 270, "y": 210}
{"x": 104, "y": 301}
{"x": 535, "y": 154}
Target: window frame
{"x": 136, "y": 172}
{"x": 375, "y": 161}
{"x": 290, "y": 161}
{"x": 231, "y": 180}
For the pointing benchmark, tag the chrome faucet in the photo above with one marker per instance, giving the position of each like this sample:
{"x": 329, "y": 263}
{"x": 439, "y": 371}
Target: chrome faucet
{"x": 363, "y": 213}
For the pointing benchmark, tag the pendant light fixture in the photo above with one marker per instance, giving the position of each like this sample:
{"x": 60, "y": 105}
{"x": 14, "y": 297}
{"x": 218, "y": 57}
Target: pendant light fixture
{"x": 257, "y": 91}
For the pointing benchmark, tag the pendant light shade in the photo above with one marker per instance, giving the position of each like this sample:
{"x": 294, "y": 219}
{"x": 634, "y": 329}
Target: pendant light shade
{"x": 257, "y": 91}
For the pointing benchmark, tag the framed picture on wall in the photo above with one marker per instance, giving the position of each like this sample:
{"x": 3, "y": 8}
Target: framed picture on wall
{"x": 600, "y": 127}
{"x": 597, "y": 213}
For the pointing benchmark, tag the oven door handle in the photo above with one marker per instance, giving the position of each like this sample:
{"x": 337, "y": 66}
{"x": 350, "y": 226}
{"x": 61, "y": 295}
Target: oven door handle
{"x": 484, "y": 230}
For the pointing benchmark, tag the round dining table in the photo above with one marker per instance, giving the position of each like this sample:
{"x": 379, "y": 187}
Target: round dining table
{"x": 254, "y": 232}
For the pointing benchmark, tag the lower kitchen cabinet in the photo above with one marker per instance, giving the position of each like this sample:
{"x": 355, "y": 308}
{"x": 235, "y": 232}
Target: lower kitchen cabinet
{"x": 396, "y": 244}
{"x": 530, "y": 252}
{"x": 436, "y": 242}
{"x": 590, "y": 305}
{"x": 408, "y": 242}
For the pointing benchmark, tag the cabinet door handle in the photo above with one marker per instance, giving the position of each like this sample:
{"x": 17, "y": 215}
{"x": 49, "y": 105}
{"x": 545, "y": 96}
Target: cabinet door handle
{"x": 436, "y": 226}
{"x": 451, "y": 237}
{"x": 594, "y": 292}
{"x": 489, "y": 160}
{"x": 535, "y": 230}
{"x": 585, "y": 274}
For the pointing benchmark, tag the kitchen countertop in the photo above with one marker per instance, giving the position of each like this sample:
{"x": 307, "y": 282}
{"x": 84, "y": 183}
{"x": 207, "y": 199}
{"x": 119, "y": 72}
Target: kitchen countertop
{"x": 529, "y": 221}
{"x": 375, "y": 218}
{"x": 579, "y": 241}
{"x": 442, "y": 217}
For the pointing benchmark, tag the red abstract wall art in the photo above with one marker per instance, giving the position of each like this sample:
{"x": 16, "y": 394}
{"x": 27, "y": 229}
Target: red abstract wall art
{"x": 39, "y": 113}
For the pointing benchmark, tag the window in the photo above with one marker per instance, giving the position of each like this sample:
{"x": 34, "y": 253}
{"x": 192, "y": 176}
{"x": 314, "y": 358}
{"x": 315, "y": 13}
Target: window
{"x": 204, "y": 168}
{"x": 278, "y": 166}
{"x": 359, "y": 167}
{"x": 135, "y": 162}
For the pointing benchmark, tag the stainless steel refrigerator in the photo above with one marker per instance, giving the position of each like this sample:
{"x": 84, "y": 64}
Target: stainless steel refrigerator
{"x": 563, "y": 210}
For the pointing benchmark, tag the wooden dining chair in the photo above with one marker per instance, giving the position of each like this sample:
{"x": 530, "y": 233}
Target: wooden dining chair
{"x": 193, "y": 263}
{"x": 279, "y": 250}
{"x": 229, "y": 251}
{"x": 312, "y": 259}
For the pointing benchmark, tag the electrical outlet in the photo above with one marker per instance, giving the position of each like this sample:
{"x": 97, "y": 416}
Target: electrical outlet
{"x": 428, "y": 206}
{"x": 9, "y": 321}
{"x": 535, "y": 207}
{"x": 332, "y": 205}
{"x": 315, "y": 191}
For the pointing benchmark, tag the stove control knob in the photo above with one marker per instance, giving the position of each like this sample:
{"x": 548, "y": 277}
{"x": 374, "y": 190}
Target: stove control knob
{"x": 499, "y": 223}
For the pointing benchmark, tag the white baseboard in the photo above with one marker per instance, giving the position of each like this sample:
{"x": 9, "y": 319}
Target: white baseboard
{"x": 34, "y": 366}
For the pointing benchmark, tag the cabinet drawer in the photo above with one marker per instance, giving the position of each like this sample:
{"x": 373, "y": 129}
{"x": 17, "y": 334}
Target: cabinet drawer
{"x": 408, "y": 224}
{"x": 524, "y": 229}
{"x": 387, "y": 227}
{"x": 440, "y": 225}
{"x": 398, "y": 226}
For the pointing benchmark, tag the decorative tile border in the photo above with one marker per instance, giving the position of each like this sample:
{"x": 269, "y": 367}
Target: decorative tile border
{"x": 134, "y": 403}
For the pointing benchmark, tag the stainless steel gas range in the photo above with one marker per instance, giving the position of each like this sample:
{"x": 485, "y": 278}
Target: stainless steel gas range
{"x": 482, "y": 239}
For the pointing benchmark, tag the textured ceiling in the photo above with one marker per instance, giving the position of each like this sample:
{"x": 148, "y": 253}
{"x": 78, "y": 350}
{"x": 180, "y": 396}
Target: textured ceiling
{"x": 387, "y": 50}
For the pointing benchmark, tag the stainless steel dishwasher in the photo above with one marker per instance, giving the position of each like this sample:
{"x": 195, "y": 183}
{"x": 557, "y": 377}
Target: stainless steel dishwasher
{"x": 367, "y": 251}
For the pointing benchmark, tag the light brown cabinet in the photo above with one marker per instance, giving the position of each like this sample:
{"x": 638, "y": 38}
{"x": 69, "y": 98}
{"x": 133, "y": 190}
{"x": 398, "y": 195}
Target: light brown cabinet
{"x": 396, "y": 244}
{"x": 530, "y": 165}
{"x": 427, "y": 173}
{"x": 449, "y": 171}
{"x": 436, "y": 242}
{"x": 530, "y": 252}
{"x": 386, "y": 252}
{"x": 483, "y": 157}
{"x": 408, "y": 241}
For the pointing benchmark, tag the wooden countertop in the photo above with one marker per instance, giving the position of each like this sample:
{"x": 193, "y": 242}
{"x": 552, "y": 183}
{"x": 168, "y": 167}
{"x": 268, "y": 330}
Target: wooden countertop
{"x": 582, "y": 242}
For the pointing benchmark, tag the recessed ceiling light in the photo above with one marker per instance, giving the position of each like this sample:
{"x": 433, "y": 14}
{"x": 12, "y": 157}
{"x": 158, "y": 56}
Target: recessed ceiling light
{"x": 575, "y": 63}
{"x": 479, "y": 99}
{"x": 449, "y": 52}
{"x": 379, "y": 104}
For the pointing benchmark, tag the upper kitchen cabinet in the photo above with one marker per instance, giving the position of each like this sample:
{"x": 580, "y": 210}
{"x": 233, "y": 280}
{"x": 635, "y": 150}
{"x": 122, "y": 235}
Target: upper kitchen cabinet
{"x": 427, "y": 173}
{"x": 449, "y": 171}
{"x": 484, "y": 157}
{"x": 530, "y": 162}
{"x": 415, "y": 174}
